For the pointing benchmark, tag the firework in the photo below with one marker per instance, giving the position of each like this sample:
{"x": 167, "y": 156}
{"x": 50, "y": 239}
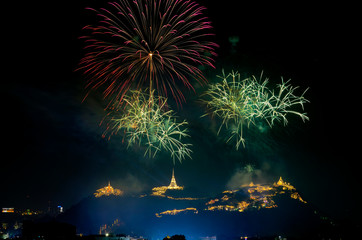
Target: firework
{"x": 156, "y": 44}
{"x": 249, "y": 168}
{"x": 146, "y": 120}
{"x": 243, "y": 102}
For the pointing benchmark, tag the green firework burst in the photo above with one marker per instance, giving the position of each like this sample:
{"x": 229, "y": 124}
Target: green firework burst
{"x": 241, "y": 102}
{"x": 146, "y": 120}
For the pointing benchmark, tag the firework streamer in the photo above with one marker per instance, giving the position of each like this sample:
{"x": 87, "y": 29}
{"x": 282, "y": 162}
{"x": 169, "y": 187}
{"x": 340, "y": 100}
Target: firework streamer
{"x": 242, "y": 103}
{"x": 149, "y": 123}
{"x": 154, "y": 44}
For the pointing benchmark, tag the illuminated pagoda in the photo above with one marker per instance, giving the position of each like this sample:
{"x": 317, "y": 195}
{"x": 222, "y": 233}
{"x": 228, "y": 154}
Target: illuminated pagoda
{"x": 173, "y": 184}
{"x": 160, "y": 191}
{"x": 283, "y": 184}
{"x": 107, "y": 191}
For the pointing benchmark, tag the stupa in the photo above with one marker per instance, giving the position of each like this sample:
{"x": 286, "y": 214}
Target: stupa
{"x": 173, "y": 184}
{"x": 107, "y": 191}
{"x": 160, "y": 191}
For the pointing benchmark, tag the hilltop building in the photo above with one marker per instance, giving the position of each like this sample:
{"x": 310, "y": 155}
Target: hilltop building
{"x": 173, "y": 184}
{"x": 283, "y": 184}
{"x": 107, "y": 191}
{"x": 160, "y": 191}
{"x": 260, "y": 196}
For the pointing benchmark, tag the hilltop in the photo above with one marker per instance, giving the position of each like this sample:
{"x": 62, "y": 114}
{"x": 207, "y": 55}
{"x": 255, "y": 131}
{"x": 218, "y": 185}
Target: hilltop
{"x": 253, "y": 209}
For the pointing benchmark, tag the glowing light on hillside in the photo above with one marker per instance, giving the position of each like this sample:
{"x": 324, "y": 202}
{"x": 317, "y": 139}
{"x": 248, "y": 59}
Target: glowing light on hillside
{"x": 107, "y": 191}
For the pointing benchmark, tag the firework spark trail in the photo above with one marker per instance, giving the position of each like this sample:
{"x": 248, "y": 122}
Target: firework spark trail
{"x": 242, "y": 102}
{"x": 147, "y": 43}
{"x": 147, "y": 122}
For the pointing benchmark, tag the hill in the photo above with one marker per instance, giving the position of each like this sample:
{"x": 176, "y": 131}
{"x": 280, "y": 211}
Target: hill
{"x": 252, "y": 210}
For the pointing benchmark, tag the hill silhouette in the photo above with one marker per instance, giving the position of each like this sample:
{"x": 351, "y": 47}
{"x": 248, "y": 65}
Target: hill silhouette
{"x": 253, "y": 210}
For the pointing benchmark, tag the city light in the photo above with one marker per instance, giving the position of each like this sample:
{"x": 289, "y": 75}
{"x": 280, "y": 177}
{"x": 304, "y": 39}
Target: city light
{"x": 7, "y": 210}
{"x": 176, "y": 211}
{"x": 60, "y": 209}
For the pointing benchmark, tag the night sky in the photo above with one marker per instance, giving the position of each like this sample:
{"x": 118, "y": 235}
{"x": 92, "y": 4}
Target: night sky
{"x": 53, "y": 148}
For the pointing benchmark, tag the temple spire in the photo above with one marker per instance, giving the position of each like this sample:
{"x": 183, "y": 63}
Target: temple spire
{"x": 173, "y": 184}
{"x": 160, "y": 191}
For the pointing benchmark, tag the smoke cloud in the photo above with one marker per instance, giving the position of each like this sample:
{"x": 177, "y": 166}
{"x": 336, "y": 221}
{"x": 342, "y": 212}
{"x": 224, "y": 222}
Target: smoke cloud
{"x": 243, "y": 177}
{"x": 130, "y": 184}
{"x": 247, "y": 174}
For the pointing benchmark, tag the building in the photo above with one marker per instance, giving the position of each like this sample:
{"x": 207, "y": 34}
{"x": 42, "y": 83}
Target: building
{"x": 160, "y": 191}
{"x": 173, "y": 184}
{"x": 283, "y": 184}
{"x": 107, "y": 191}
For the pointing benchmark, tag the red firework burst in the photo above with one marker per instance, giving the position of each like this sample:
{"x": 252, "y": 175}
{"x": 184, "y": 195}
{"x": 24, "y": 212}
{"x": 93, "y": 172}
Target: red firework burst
{"x": 147, "y": 43}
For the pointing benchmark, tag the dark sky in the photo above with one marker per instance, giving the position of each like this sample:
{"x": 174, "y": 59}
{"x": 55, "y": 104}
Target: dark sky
{"x": 53, "y": 149}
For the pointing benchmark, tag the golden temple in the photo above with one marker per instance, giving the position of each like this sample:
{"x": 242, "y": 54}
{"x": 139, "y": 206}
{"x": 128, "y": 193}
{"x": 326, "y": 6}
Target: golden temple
{"x": 160, "y": 191}
{"x": 107, "y": 191}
